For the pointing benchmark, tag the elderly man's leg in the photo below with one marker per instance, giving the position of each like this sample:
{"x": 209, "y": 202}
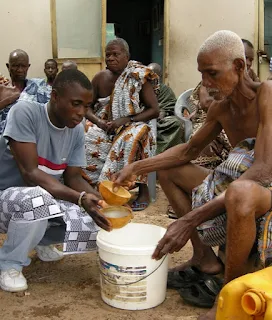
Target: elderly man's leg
{"x": 245, "y": 202}
{"x": 177, "y": 184}
{"x": 22, "y": 237}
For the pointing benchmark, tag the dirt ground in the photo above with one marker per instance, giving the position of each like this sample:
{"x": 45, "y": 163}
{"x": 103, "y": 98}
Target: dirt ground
{"x": 69, "y": 289}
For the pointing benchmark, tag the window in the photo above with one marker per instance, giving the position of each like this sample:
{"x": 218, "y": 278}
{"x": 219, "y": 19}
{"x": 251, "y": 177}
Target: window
{"x": 76, "y": 28}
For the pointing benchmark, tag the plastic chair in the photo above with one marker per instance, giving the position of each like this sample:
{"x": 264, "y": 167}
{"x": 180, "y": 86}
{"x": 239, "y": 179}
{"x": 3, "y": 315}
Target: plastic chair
{"x": 183, "y": 102}
{"x": 151, "y": 178}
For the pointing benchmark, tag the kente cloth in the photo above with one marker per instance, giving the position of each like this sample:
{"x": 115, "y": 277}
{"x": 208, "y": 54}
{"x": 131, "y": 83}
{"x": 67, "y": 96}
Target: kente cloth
{"x": 107, "y": 154}
{"x": 30, "y": 204}
{"x": 170, "y": 130}
{"x": 36, "y": 90}
{"x": 213, "y": 232}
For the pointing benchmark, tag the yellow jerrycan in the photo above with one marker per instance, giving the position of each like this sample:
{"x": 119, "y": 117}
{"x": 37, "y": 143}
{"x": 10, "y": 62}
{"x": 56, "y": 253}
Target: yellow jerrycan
{"x": 247, "y": 298}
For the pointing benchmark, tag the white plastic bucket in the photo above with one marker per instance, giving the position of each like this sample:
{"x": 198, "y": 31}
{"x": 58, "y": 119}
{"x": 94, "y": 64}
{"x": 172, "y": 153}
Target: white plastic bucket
{"x": 129, "y": 278}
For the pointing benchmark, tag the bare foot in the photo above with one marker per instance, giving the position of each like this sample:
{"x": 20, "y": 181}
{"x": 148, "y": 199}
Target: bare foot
{"x": 207, "y": 263}
{"x": 142, "y": 200}
{"x": 210, "y": 315}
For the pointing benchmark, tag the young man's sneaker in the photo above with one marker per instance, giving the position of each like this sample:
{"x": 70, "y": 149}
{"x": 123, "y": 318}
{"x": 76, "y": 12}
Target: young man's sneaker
{"x": 48, "y": 253}
{"x": 12, "y": 280}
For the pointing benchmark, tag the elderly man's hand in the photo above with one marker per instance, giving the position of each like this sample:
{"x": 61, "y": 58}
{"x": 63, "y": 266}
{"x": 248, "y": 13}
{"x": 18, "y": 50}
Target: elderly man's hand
{"x": 115, "y": 124}
{"x": 90, "y": 203}
{"x": 175, "y": 238}
{"x": 126, "y": 177}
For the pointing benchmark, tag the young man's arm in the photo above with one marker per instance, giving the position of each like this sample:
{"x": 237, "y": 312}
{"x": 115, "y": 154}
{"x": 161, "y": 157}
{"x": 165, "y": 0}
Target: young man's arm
{"x": 26, "y": 157}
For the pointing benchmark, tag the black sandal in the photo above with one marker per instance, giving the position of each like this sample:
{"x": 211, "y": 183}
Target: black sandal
{"x": 179, "y": 279}
{"x": 198, "y": 294}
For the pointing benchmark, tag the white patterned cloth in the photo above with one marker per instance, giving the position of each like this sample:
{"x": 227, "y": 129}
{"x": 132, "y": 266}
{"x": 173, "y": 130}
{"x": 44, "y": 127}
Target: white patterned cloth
{"x": 26, "y": 204}
{"x": 107, "y": 154}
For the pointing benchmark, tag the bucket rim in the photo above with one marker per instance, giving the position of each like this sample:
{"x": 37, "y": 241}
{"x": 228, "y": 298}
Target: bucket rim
{"x": 127, "y": 250}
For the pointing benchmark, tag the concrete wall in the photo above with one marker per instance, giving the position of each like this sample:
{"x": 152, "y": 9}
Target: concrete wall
{"x": 26, "y": 25}
{"x": 191, "y": 22}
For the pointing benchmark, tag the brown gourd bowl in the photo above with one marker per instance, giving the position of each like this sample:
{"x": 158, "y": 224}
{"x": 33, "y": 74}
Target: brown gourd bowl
{"x": 118, "y": 216}
{"x": 118, "y": 198}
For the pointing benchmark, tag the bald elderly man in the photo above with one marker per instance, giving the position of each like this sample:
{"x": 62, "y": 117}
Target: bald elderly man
{"x": 20, "y": 86}
{"x": 231, "y": 205}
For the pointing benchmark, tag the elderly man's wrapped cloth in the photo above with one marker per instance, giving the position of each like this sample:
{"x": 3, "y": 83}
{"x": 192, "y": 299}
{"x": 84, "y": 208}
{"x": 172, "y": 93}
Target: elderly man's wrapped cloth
{"x": 213, "y": 232}
{"x": 107, "y": 153}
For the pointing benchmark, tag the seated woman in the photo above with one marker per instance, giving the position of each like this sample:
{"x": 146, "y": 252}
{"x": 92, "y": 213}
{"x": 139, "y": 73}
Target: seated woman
{"x": 119, "y": 132}
{"x": 170, "y": 131}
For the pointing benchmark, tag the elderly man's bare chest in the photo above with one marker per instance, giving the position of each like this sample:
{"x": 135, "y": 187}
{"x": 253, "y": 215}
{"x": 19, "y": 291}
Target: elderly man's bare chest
{"x": 240, "y": 124}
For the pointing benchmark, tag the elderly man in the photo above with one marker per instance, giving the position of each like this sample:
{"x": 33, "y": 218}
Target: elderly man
{"x": 120, "y": 132}
{"x": 37, "y": 210}
{"x": 231, "y": 204}
{"x": 69, "y": 64}
{"x": 169, "y": 127}
{"x": 26, "y": 89}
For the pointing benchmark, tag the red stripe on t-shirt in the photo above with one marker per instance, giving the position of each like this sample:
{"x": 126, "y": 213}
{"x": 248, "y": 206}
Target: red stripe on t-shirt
{"x": 51, "y": 165}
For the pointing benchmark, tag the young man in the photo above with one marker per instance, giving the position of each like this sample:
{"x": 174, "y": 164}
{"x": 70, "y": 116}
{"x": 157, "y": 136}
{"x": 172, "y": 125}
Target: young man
{"x": 230, "y": 202}
{"x": 50, "y": 70}
{"x": 39, "y": 145}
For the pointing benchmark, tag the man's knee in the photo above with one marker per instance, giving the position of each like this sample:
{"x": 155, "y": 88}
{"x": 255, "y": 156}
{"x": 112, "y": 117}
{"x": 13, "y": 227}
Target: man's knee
{"x": 163, "y": 175}
{"x": 241, "y": 196}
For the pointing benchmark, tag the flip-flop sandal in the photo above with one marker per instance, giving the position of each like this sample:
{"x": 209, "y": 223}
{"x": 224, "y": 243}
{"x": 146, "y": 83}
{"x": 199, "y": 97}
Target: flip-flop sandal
{"x": 139, "y": 206}
{"x": 199, "y": 294}
{"x": 171, "y": 213}
{"x": 179, "y": 279}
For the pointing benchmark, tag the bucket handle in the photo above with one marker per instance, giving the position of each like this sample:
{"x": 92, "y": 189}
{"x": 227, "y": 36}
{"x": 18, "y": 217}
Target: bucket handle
{"x": 144, "y": 277}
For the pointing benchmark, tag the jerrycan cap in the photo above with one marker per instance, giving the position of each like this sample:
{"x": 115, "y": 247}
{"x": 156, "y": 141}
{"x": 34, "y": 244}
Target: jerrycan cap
{"x": 253, "y": 303}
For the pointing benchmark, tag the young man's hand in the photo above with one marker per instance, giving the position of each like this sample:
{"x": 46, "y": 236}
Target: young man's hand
{"x": 90, "y": 203}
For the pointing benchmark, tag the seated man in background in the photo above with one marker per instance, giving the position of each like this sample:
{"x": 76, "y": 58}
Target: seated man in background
{"x": 250, "y": 54}
{"x": 25, "y": 89}
{"x": 69, "y": 64}
{"x": 169, "y": 127}
{"x": 50, "y": 70}
{"x": 230, "y": 205}
{"x": 120, "y": 132}
{"x": 39, "y": 144}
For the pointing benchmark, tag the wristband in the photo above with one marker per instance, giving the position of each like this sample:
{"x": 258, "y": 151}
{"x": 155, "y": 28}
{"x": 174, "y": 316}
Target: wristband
{"x": 79, "y": 202}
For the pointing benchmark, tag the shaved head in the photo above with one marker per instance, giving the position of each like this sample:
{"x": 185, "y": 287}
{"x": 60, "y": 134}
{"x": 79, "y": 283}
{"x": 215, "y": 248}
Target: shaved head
{"x": 18, "y": 65}
{"x": 226, "y": 41}
{"x": 155, "y": 67}
{"x": 69, "y": 64}
{"x": 18, "y": 53}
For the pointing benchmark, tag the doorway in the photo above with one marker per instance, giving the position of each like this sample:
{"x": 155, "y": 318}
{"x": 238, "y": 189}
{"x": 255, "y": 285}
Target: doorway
{"x": 141, "y": 24}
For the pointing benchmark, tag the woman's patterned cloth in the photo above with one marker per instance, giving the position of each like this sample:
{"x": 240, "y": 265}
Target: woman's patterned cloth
{"x": 213, "y": 232}
{"x": 107, "y": 154}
